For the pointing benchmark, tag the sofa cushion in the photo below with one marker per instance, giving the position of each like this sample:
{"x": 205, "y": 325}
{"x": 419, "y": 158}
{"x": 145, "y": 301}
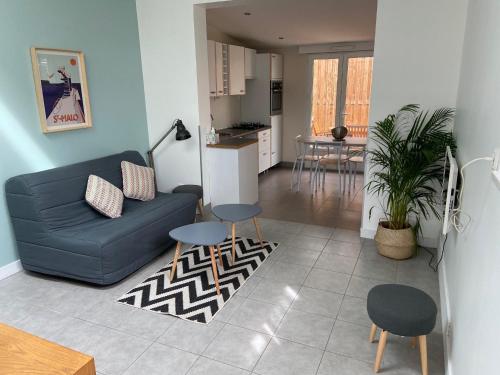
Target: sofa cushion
{"x": 56, "y": 197}
{"x": 135, "y": 216}
{"x": 138, "y": 182}
{"x": 104, "y": 197}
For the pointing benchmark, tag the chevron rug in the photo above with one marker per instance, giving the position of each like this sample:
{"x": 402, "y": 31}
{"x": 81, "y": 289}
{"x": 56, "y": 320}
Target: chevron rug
{"x": 192, "y": 295}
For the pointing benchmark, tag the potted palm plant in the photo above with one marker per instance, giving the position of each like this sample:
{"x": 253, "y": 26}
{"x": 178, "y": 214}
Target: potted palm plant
{"x": 406, "y": 171}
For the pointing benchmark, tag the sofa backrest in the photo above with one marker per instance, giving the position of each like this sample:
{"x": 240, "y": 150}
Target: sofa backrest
{"x": 56, "y": 197}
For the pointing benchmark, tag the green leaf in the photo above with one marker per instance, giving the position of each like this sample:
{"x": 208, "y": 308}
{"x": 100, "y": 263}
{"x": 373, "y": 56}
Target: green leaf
{"x": 406, "y": 162}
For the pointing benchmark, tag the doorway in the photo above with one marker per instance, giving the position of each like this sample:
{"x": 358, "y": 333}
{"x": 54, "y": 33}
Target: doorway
{"x": 340, "y": 92}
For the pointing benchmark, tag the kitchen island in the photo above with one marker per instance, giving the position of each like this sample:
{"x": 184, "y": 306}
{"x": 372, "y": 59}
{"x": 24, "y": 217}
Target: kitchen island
{"x": 233, "y": 171}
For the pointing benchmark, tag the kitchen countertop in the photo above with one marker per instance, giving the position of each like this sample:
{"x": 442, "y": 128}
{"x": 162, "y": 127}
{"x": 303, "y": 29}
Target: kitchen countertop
{"x": 233, "y": 143}
{"x": 232, "y": 132}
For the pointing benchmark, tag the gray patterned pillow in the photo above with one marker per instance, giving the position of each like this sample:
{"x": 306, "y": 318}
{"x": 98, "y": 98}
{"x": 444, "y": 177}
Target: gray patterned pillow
{"x": 104, "y": 197}
{"x": 138, "y": 182}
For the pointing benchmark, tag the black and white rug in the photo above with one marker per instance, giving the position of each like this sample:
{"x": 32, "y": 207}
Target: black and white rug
{"x": 192, "y": 294}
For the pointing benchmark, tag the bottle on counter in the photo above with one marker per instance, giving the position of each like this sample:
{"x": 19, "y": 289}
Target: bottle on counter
{"x": 212, "y": 136}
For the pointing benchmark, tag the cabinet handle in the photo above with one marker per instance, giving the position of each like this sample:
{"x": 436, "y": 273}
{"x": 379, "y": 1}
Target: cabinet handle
{"x": 212, "y": 92}
{"x": 264, "y": 153}
{"x": 242, "y": 90}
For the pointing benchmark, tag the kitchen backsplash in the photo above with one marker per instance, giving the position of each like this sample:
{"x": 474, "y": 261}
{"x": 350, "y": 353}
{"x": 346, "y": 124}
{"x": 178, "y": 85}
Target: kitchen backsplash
{"x": 225, "y": 110}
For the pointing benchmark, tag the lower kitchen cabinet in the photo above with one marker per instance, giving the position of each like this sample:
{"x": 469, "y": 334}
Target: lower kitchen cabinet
{"x": 276, "y": 135}
{"x": 264, "y": 138}
{"x": 233, "y": 174}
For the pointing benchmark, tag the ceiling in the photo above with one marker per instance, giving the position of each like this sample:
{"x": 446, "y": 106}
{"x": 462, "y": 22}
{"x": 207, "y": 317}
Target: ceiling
{"x": 299, "y": 22}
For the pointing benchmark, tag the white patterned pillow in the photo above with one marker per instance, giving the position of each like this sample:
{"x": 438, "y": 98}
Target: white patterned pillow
{"x": 104, "y": 197}
{"x": 138, "y": 182}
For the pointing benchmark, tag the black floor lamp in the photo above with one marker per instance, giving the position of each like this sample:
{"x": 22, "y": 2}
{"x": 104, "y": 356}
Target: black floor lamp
{"x": 181, "y": 135}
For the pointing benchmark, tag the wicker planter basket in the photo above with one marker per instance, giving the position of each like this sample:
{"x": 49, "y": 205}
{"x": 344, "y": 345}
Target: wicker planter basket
{"x": 395, "y": 243}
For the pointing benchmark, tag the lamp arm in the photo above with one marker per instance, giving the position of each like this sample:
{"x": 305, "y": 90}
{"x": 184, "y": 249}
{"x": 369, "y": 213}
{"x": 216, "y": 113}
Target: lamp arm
{"x": 150, "y": 152}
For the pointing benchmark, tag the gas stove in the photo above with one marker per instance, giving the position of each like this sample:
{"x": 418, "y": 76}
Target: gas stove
{"x": 248, "y": 125}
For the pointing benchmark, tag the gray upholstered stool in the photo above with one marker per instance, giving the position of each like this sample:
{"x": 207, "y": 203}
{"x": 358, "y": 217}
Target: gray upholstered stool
{"x": 192, "y": 189}
{"x": 403, "y": 311}
{"x": 235, "y": 213}
{"x": 207, "y": 234}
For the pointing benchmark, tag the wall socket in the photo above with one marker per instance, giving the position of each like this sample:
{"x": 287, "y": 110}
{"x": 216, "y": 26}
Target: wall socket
{"x": 449, "y": 330}
{"x": 495, "y": 167}
{"x": 495, "y": 164}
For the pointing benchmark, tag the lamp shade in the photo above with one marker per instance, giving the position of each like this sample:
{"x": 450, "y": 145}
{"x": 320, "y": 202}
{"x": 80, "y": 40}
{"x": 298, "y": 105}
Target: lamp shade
{"x": 182, "y": 133}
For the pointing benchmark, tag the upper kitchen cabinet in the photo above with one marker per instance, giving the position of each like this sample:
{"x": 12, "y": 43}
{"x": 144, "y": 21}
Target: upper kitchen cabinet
{"x": 212, "y": 78}
{"x": 218, "y": 68}
{"x": 276, "y": 66}
{"x": 222, "y": 68}
{"x": 250, "y": 56}
{"x": 236, "y": 70}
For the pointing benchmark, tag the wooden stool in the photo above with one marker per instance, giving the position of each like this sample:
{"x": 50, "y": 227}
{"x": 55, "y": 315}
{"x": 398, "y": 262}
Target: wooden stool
{"x": 403, "y": 311}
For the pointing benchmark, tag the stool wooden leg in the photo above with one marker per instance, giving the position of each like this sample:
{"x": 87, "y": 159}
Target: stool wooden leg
{"x": 214, "y": 269}
{"x": 413, "y": 342}
{"x": 380, "y": 350}
{"x": 233, "y": 240}
{"x": 257, "y": 229}
{"x": 422, "y": 342}
{"x": 200, "y": 207}
{"x": 220, "y": 256}
{"x": 176, "y": 258}
{"x": 373, "y": 332}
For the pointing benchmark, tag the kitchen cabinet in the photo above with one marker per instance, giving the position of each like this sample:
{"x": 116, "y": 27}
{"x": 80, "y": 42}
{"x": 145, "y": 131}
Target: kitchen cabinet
{"x": 233, "y": 174}
{"x": 218, "y": 69}
{"x": 276, "y": 66}
{"x": 221, "y": 69}
{"x": 236, "y": 70}
{"x": 212, "y": 79}
{"x": 250, "y": 57}
{"x": 276, "y": 135}
{"x": 264, "y": 138}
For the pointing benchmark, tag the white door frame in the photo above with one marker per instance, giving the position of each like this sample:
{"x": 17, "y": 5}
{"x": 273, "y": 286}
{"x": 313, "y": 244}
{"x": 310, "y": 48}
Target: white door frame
{"x": 341, "y": 82}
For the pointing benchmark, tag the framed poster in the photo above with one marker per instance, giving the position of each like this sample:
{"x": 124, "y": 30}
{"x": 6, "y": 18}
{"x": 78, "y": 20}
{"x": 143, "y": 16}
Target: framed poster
{"x": 61, "y": 89}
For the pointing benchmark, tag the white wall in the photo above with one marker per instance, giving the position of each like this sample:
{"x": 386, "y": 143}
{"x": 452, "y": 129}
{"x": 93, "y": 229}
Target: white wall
{"x": 418, "y": 48}
{"x": 472, "y": 261}
{"x": 173, "y": 38}
{"x": 295, "y": 98}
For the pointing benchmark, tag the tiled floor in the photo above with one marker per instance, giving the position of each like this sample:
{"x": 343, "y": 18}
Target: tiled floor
{"x": 326, "y": 207}
{"x": 302, "y": 312}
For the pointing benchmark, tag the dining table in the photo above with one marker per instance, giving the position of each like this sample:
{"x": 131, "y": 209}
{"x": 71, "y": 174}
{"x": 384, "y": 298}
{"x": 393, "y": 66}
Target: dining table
{"x": 325, "y": 140}
{"x": 329, "y": 141}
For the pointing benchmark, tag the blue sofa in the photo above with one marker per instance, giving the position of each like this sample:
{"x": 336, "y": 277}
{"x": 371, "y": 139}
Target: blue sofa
{"x": 58, "y": 233}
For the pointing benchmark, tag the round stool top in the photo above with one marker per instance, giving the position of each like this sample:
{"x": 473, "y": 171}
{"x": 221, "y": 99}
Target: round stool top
{"x": 236, "y": 212}
{"x": 206, "y": 233}
{"x": 401, "y": 310}
{"x": 191, "y": 189}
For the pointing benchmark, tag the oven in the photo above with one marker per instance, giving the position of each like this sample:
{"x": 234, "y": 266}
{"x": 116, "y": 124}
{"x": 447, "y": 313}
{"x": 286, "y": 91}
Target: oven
{"x": 276, "y": 97}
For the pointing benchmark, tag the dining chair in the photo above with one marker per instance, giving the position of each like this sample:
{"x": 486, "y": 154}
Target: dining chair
{"x": 303, "y": 153}
{"x": 338, "y": 158}
{"x": 356, "y": 156}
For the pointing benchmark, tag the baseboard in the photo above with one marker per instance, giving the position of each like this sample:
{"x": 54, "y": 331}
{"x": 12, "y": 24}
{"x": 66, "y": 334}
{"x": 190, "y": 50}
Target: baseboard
{"x": 367, "y": 233}
{"x": 285, "y": 164}
{"x": 422, "y": 241}
{"x": 10, "y": 269}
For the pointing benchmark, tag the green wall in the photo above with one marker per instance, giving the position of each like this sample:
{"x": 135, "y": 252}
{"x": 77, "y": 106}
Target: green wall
{"x": 106, "y": 31}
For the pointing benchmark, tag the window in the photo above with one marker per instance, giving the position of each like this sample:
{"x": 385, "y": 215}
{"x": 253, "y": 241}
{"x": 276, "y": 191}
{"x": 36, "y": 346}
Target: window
{"x": 340, "y": 93}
